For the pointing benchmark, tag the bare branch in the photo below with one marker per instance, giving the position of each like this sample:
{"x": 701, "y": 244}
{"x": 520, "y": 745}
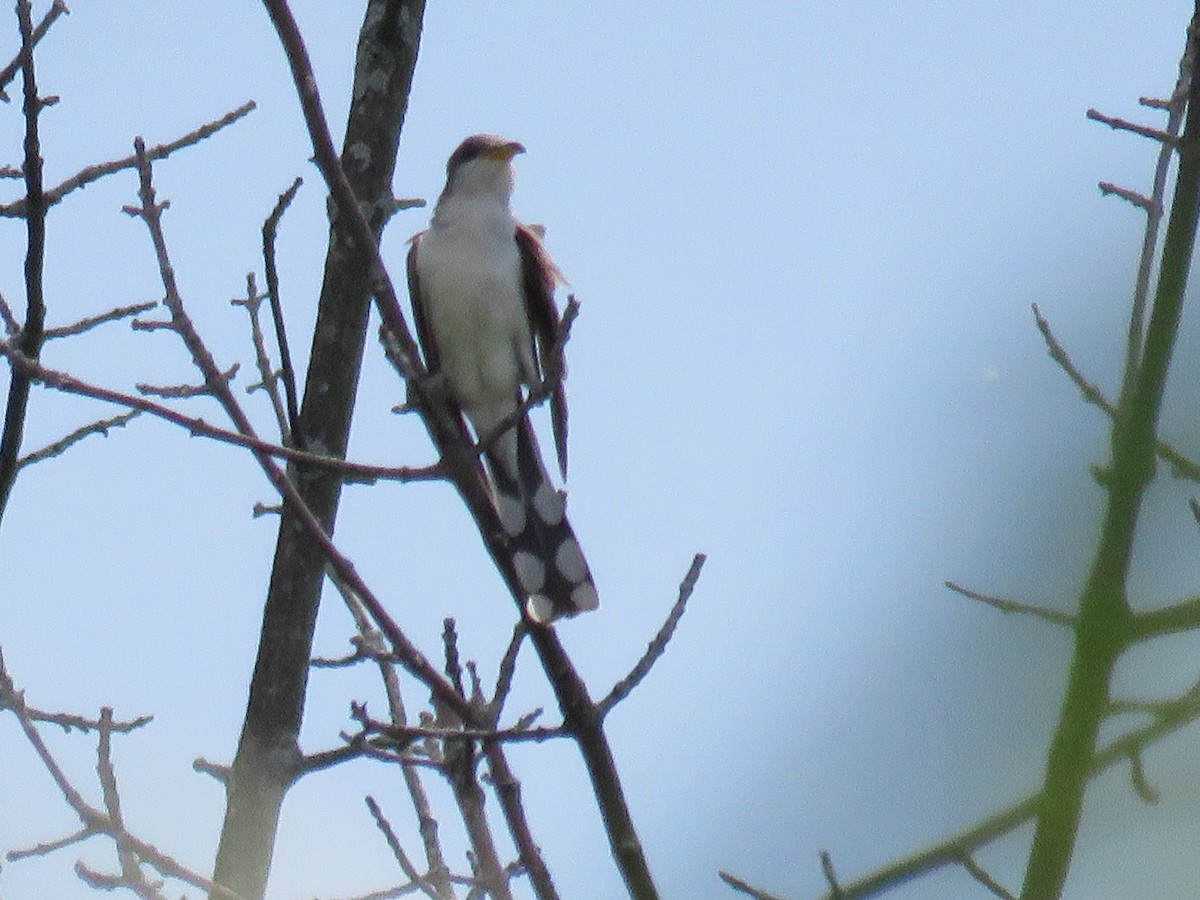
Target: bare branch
{"x": 94, "y": 821}
{"x": 90, "y": 174}
{"x": 351, "y": 471}
{"x": 1011, "y": 606}
{"x": 90, "y": 322}
{"x": 269, "y": 379}
{"x": 505, "y": 672}
{"x": 658, "y": 645}
{"x": 746, "y": 888}
{"x": 56, "y": 9}
{"x": 981, "y": 875}
{"x": 57, "y": 448}
{"x": 11, "y": 325}
{"x": 398, "y": 853}
{"x": 1116, "y": 124}
{"x": 1091, "y": 393}
{"x": 1141, "y": 201}
{"x": 287, "y": 372}
{"x": 835, "y": 887}
{"x": 29, "y": 338}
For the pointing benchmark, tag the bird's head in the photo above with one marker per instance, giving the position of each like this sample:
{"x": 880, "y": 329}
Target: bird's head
{"x": 482, "y": 164}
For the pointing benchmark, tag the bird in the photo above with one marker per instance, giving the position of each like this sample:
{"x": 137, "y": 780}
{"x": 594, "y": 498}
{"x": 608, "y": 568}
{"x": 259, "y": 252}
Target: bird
{"x": 482, "y": 289}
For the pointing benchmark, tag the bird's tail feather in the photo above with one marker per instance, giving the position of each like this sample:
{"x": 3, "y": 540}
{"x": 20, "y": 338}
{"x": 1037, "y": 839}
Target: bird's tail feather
{"x": 546, "y": 554}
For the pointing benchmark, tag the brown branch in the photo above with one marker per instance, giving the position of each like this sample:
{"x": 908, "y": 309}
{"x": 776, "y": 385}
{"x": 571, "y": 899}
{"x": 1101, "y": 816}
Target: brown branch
{"x": 349, "y": 471}
{"x": 287, "y": 372}
{"x": 56, "y": 9}
{"x": 402, "y": 860}
{"x": 29, "y": 338}
{"x": 1141, "y": 201}
{"x": 90, "y": 322}
{"x": 508, "y": 792}
{"x": 93, "y": 173}
{"x": 217, "y": 383}
{"x": 269, "y": 379}
{"x": 658, "y": 646}
{"x": 384, "y": 65}
{"x": 93, "y": 820}
{"x": 1145, "y": 131}
{"x": 57, "y": 448}
{"x": 11, "y": 325}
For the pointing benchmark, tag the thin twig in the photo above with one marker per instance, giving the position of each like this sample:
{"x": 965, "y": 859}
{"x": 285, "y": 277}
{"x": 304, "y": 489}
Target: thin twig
{"x": 90, "y": 322}
{"x": 56, "y": 9}
{"x": 506, "y": 671}
{"x": 1141, "y": 201}
{"x": 11, "y": 325}
{"x": 746, "y": 888}
{"x": 350, "y": 471}
{"x": 269, "y": 379}
{"x": 835, "y": 886}
{"x": 980, "y": 874}
{"x": 1145, "y": 131}
{"x": 29, "y": 338}
{"x": 286, "y": 371}
{"x": 1181, "y": 466}
{"x": 398, "y": 853}
{"x": 1012, "y": 606}
{"x": 57, "y": 448}
{"x": 409, "y": 656}
{"x": 93, "y": 820}
{"x": 1154, "y": 211}
{"x": 93, "y": 173}
{"x": 658, "y": 646}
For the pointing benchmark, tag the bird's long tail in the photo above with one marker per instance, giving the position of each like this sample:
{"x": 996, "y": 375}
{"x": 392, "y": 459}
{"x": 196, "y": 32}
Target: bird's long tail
{"x": 546, "y": 554}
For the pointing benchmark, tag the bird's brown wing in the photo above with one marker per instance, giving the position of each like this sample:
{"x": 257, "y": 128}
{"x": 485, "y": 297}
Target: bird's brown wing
{"x": 539, "y": 277}
{"x": 424, "y": 332}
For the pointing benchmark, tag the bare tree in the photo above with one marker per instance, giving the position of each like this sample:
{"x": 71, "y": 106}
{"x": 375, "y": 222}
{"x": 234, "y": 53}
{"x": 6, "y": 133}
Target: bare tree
{"x": 463, "y": 728}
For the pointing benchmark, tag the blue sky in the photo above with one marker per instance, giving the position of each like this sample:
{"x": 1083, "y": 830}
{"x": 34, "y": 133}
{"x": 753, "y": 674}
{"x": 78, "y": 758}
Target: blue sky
{"x": 806, "y": 240}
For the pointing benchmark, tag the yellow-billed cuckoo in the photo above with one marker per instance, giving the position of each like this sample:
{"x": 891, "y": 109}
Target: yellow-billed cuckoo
{"x": 482, "y": 288}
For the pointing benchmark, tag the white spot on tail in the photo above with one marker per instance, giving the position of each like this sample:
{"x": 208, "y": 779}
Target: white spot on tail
{"x": 512, "y": 513}
{"x": 531, "y": 571}
{"x": 570, "y": 562}
{"x": 539, "y": 608}
{"x": 548, "y": 503}
{"x": 584, "y": 597}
